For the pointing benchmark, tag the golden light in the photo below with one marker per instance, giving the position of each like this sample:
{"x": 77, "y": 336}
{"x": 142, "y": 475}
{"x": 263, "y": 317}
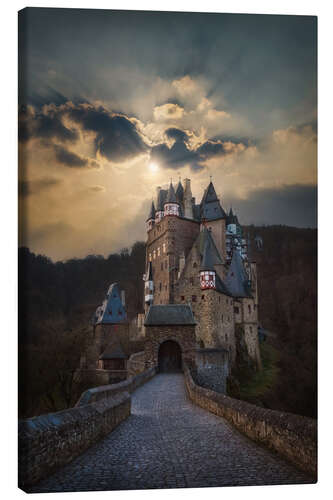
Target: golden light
{"x": 153, "y": 167}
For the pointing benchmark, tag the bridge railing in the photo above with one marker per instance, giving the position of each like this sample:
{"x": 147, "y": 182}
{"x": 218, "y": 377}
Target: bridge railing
{"x": 292, "y": 436}
{"x": 47, "y": 442}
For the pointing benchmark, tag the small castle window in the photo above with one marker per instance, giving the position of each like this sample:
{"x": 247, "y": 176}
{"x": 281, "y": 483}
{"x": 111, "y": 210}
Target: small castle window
{"x": 202, "y": 297}
{"x": 236, "y": 310}
{"x": 160, "y": 286}
{"x": 158, "y": 251}
{"x": 226, "y": 337}
{"x": 250, "y": 329}
{"x": 195, "y": 264}
{"x": 182, "y": 297}
{"x": 249, "y": 309}
{"x": 194, "y": 298}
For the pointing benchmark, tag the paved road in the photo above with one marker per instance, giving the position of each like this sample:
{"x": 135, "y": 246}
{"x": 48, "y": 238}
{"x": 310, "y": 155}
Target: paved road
{"x": 168, "y": 442}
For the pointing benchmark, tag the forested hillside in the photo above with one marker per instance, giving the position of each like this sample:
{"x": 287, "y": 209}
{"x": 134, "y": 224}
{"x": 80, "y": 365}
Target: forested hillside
{"x": 57, "y": 300}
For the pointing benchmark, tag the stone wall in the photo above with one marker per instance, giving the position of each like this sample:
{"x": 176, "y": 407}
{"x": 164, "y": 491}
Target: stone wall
{"x": 212, "y": 369}
{"x": 105, "y": 391}
{"x": 136, "y": 364}
{"x": 166, "y": 242}
{"x": 292, "y": 436}
{"x": 48, "y": 442}
{"x": 184, "y": 335}
{"x": 212, "y": 310}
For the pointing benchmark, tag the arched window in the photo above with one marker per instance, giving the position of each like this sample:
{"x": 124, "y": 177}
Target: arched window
{"x": 195, "y": 264}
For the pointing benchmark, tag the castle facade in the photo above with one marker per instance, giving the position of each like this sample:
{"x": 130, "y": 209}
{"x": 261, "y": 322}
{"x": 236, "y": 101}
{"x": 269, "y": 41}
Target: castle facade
{"x": 197, "y": 255}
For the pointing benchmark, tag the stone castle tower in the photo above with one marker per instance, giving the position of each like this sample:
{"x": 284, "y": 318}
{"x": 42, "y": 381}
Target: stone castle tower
{"x": 196, "y": 254}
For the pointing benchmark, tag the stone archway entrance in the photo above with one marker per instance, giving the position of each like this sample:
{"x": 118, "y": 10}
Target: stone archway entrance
{"x": 169, "y": 357}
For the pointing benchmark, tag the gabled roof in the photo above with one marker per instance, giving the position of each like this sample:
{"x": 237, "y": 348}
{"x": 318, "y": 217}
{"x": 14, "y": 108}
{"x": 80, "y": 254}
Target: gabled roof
{"x": 180, "y": 192}
{"x": 151, "y": 212}
{"x": 210, "y": 207}
{"x": 170, "y": 314}
{"x": 171, "y": 196}
{"x": 237, "y": 280}
{"x": 113, "y": 351}
{"x": 112, "y": 310}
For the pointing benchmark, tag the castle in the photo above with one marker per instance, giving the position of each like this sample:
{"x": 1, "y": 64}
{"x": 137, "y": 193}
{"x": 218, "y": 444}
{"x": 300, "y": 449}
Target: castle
{"x": 197, "y": 255}
{"x": 200, "y": 296}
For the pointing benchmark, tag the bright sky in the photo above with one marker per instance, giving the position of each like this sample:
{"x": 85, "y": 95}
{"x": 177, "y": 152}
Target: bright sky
{"x": 115, "y": 103}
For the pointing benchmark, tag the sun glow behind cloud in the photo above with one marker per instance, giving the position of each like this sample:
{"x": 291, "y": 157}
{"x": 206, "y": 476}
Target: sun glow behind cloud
{"x": 94, "y": 155}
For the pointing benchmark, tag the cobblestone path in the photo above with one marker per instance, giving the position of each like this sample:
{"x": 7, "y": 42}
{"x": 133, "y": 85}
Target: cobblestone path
{"x": 168, "y": 442}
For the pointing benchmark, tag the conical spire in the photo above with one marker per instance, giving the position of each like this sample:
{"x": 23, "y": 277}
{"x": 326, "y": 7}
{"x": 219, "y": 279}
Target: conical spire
{"x": 210, "y": 206}
{"x": 171, "y": 196}
{"x": 180, "y": 191}
{"x": 151, "y": 212}
{"x": 160, "y": 201}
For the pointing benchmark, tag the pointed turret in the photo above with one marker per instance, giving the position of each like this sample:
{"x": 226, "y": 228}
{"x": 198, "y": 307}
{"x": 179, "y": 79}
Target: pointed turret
{"x": 210, "y": 206}
{"x": 112, "y": 310}
{"x": 237, "y": 279}
{"x": 207, "y": 270}
{"x": 171, "y": 205}
{"x": 151, "y": 217}
{"x": 180, "y": 192}
{"x": 159, "y": 206}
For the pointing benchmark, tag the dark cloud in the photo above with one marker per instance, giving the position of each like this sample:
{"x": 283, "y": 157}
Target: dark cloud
{"x": 117, "y": 137}
{"x": 26, "y": 188}
{"x": 44, "y": 126}
{"x": 72, "y": 160}
{"x": 180, "y": 153}
{"x": 210, "y": 148}
{"x": 177, "y": 134}
{"x": 294, "y": 205}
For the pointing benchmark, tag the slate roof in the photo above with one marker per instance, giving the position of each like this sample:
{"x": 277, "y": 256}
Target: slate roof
{"x": 113, "y": 351}
{"x": 171, "y": 196}
{"x": 180, "y": 192}
{"x": 203, "y": 237}
{"x": 208, "y": 258}
{"x": 196, "y": 212}
{"x": 210, "y": 207}
{"x": 170, "y": 314}
{"x": 237, "y": 278}
{"x": 161, "y": 199}
{"x": 112, "y": 310}
{"x": 151, "y": 212}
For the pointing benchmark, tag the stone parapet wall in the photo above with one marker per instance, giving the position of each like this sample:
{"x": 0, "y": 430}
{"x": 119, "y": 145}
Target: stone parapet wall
{"x": 292, "y": 436}
{"x": 136, "y": 363}
{"x": 105, "y": 391}
{"x": 50, "y": 441}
